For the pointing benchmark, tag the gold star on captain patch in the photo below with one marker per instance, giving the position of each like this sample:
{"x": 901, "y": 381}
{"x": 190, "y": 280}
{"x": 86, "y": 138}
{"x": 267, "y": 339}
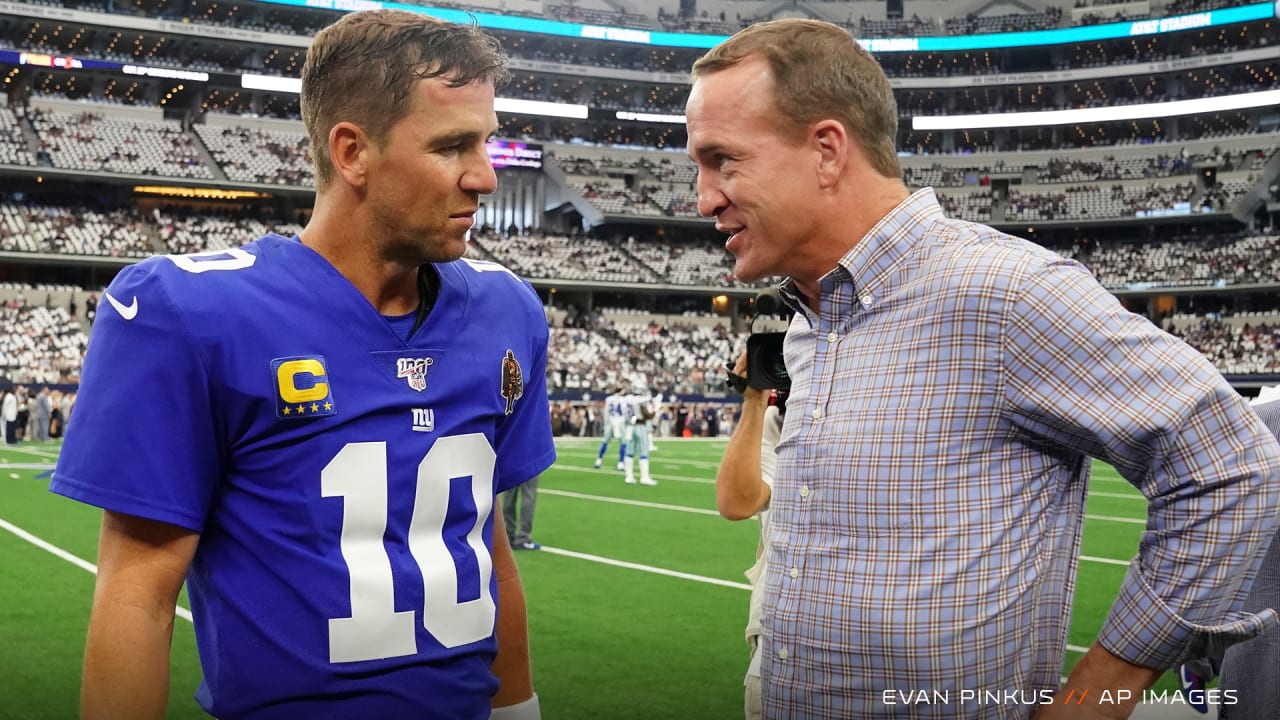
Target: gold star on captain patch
{"x": 315, "y": 407}
{"x": 288, "y": 410}
{"x": 301, "y": 410}
{"x": 328, "y": 406}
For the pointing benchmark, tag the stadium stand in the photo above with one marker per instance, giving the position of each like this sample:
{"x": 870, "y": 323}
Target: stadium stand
{"x": 39, "y": 343}
{"x": 260, "y": 151}
{"x": 14, "y": 147}
{"x": 74, "y": 231}
{"x": 88, "y": 140}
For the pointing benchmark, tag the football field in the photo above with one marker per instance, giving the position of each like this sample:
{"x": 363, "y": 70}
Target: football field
{"x": 637, "y": 600}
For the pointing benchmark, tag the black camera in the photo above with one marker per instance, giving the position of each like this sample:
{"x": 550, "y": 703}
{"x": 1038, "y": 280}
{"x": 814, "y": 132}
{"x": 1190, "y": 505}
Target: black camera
{"x": 765, "y": 368}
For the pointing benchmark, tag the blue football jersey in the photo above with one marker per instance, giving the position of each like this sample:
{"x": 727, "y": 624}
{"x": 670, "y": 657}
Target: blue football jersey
{"x": 342, "y": 477}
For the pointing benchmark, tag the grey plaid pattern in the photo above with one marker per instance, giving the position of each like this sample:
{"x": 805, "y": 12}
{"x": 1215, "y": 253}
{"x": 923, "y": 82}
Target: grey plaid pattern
{"x": 929, "y": 499}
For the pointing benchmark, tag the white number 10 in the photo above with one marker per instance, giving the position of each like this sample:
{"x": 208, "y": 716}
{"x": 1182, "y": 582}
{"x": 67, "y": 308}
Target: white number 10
{"x": 358, "y": 473}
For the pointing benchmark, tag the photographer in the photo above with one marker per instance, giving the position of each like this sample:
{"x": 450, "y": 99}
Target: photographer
{"x": 743, "y": 486}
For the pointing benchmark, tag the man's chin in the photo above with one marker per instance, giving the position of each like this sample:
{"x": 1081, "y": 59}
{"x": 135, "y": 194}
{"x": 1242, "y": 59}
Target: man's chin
{"x": 746, "y": 273}
{"x": 446, "y": 249}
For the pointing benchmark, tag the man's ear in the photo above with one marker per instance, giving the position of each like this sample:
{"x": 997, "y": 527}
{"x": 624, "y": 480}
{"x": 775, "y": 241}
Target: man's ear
{"x": 832, "y": 143}
{"x": 349, "y": 148}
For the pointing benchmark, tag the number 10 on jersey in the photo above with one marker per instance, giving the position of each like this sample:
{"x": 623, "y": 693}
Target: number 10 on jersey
{"x": 375, "y": 629}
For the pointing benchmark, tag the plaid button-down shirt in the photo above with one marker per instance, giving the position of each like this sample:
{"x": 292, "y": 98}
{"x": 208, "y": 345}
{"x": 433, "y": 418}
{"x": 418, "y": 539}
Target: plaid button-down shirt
{"x": 929, "y": 498}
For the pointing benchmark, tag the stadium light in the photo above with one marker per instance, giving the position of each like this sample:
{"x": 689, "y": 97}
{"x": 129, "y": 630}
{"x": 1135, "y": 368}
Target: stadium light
{"x": 538, "y": 107}
{"x": 650, "y": 117}
{"x": 1094, "y": 115}
{"x": 197, "y": 192}
{"x": 272, "y": 83}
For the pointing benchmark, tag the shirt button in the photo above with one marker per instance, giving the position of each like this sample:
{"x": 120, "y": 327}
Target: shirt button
{"x": 783, "y": 654}
{"x": 866, "y": 299}
{"x": 795, "y": 573}
{"x": 831, "y": 336}
{"x": 804, "y": 491}
{"x": 817, "y": 413}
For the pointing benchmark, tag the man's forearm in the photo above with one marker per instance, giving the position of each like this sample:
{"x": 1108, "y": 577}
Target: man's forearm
{"x": 511, "y": 665}
{"x": 738, "y": 479}
{"x": 1101, "y": 685}
{"x": 141, "y": 566}
{"x": 126, "y": 664}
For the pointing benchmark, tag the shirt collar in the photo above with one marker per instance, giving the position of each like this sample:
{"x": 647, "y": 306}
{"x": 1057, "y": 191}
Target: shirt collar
{"x": 871, "y": 260}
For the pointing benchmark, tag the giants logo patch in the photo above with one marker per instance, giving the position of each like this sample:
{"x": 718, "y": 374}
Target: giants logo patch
{"x": 424, "y": 419}
{"x": 414, "y": 371}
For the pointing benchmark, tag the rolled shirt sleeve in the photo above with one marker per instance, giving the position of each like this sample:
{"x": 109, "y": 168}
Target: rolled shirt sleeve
{"x": 1085, "y": 372}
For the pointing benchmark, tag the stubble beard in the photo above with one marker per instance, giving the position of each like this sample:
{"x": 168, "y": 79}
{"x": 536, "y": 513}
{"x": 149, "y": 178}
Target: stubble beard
{"x": 427, "y": 247}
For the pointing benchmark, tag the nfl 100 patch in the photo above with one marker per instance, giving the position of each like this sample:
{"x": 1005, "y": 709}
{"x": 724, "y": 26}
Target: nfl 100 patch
{"x": 413, "y": 370}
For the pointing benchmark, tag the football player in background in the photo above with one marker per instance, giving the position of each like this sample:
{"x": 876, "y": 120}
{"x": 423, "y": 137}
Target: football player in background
{"x": 616, "y": 419}
{"x": 640, "y": 412}
{"x": 311, "y": 431}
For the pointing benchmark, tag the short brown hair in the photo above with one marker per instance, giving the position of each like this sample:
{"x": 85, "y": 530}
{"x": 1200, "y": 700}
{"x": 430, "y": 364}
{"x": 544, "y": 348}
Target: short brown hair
{"x": 362, "y": 69}
{"x": 819, "y": 72}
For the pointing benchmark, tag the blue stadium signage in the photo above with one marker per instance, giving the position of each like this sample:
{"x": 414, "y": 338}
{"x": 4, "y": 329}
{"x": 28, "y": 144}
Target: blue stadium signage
{"x": 989, "y": 41}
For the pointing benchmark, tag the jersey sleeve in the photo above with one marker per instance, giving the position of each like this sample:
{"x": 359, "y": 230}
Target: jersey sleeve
{"x": 525, "y": 446}
{"x": 142, "y": 439}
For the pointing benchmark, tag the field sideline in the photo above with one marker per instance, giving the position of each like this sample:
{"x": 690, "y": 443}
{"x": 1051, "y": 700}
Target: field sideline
{"x": 636, "y": 602}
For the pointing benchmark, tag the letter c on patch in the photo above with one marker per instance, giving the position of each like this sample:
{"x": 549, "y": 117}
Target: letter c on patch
{"x": 287, "y": 375}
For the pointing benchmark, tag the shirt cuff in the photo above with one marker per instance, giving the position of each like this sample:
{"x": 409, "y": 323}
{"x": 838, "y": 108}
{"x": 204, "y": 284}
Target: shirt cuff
{"x": 1144, "y": 630}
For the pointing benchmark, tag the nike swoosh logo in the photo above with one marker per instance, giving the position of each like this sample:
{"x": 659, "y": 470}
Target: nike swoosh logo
{"x": 128, "y": 312}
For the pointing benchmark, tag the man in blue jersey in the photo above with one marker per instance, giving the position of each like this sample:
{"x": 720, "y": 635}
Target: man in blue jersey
{"x": 311, "y": 431}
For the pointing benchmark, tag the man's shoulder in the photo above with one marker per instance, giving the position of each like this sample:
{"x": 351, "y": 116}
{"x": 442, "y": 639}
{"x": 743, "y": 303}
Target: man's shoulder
{"x": 486, "y": 275}
{"x": 223, "y": 288}
{"x": 493, "y": 288}
{"x": 965, "y": 251}
{"x": 194, "y": 277}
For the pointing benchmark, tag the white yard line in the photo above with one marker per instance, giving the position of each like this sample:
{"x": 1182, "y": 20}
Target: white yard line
{"x": 81, "y": 563}
{"x": 42, "y": 453}
{"x": 624, "y": 501}
{"x": 1121, "y": 496}
{"x": 1113, "y": 518}
{"x": 645, "y": 568}
{"x": 1105, "y": 561}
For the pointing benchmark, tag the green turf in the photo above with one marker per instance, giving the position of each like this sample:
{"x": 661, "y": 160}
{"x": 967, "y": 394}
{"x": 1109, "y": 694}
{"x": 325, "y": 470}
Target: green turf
{"x": 607, "y": 641}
